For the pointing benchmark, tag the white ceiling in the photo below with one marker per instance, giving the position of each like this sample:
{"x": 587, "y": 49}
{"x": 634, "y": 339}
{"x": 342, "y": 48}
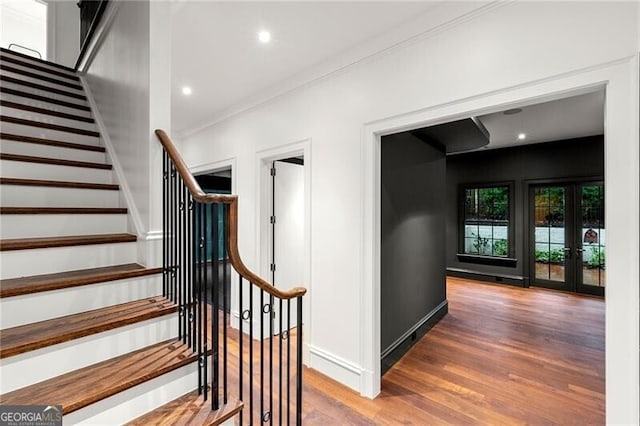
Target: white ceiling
{"x": 216, "y": 52}
{"x": 572, "y": 117}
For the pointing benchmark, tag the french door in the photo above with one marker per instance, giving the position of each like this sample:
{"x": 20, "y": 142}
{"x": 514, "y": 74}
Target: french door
{"x": 567, "y": 236}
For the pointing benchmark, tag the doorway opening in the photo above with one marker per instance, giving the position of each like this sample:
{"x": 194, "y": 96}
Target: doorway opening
{"x": 511, "y": 191}
{"x": 286, "y": 231}
{"x": 217, "y": 182}
{"x": 23, "y": 27}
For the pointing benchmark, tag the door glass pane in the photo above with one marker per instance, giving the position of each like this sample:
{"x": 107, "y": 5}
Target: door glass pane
{"x": 549, "y": 236}
{"x": 592, "y": 236}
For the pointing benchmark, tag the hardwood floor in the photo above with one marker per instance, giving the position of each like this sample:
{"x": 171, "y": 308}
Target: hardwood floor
{"x": 502, "y": 355}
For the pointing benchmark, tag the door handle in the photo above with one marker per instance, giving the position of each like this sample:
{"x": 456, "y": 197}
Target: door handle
{"x": 579, "y": 251}
{"x": 567, "y": 252}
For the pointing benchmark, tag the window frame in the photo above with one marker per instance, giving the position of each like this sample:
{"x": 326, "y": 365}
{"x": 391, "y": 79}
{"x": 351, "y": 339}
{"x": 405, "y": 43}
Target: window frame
{"x": 509, "y": 259}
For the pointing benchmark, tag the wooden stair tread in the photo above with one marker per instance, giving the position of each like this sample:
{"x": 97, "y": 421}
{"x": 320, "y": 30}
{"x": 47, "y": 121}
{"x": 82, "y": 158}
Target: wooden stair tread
{"x": 15, "y": 105}
{"x": 29, "y": 337}
{"x": 58, "y": 183}
{"x": 75, "y": 240}
{"x": 14, "y": 92}
{"x": 7, "y": 52}
{"x": 18, "y": 61}
{"x": 42, "y": 87}
{"x": 88, "y": 385}
{"x": 47, "y": 282}
{"x": 63, "y": 210}
{"x": 189, "y": 409}
{"x": 57, "y": 127}
{"x": 9, "y": 68}
{"x": 54, "y": 161}
{"x": 51, "y": 142}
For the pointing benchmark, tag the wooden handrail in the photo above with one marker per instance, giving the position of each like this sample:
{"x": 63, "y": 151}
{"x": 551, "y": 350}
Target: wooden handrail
{"x": 232, "y": 219}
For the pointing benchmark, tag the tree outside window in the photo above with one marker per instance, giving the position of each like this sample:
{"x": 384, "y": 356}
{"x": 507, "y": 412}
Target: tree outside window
{"x": 487, "y": 221}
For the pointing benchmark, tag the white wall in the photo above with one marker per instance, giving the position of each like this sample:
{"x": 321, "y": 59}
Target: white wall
{"x": 503, "y": 47}
{"x": 63, "y": 32}
{"x": 24, "y": 23}
{"x": 129, "y": 80}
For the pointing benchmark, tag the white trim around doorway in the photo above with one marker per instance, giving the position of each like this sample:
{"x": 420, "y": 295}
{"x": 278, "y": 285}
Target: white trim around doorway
{"x": 622, "y": 165}
{"x": 264, "y": 159}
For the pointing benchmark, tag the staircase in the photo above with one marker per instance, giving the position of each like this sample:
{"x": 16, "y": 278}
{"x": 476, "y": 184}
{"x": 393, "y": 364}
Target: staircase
{"x": 82, "y": 324}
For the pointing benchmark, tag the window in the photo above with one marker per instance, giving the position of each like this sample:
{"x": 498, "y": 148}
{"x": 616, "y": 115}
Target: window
{"x": 487, "y": 221}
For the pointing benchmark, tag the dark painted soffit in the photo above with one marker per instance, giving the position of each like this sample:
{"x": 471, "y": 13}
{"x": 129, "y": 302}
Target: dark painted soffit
{"x": 455, "y": 136}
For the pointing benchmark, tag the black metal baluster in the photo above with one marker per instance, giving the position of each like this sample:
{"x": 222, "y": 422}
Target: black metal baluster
{"x": 170, "y": 235}
{"x": 251, "y": 309}
{"x": 271, "y": 332}
{"x": 174, "y": 207}
{"x": 240, "y": 342}
{"x": 280, "y": 359}
{"x": 288, "y": 360}
{"x": 189, "y": 268}
{"x": 205, "y": 289}
{"x": 215, "y": 315}
{"x": 196, "y": 277}
{"x": 262, "y": 413}
{"x": 225, "y": 307}
{"x": 202, "y": 288}
{"x": 182, "y": 260}
{"x": 299, "y": 364}
{"x": 165, "y": 179}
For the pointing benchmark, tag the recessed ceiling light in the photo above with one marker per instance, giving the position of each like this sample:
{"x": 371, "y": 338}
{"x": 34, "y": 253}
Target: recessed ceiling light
{"x": 264, "y": 36}
{"x": 186, "y": 90}
{"x": 522, "y": 136}
{"x": 513, "y": 111}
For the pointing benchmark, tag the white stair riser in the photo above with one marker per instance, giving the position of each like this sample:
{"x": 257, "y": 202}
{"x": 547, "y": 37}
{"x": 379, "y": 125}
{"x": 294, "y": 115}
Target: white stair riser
{"x": 38, "y": 72}
{"x": 48, "y": 151}
{"x": 43, "y": 196}
{"x": 45, "y": 105}
{"x": 45, "y": 93}
{"x": 32, "y": 367}
{"x": 46, "y": 118}
{"x": 20, "y": 310}
{"x": 34, "y": 62}
{"x": 19, "y": 263}
{"x": 41, "y": 82}
{"x": 58, "y": 225}
{"x": 43, "y": 171}
{"x": 40, "y": 132}
{"x": 141, "y": 399}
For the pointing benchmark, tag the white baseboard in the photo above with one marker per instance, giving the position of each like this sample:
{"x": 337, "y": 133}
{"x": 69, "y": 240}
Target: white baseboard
{"x": 335, "y": 367}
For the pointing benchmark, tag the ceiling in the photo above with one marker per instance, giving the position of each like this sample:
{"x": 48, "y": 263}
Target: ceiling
{"x": 571, "y": 117}
{"x": 216, "y": 51}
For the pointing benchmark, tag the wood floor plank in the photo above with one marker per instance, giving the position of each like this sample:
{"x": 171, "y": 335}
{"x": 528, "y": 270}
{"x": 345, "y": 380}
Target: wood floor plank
{"x": 17, "y": 340}
{"x": 48, "y": 282}
{"x": 80, "y": 388}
